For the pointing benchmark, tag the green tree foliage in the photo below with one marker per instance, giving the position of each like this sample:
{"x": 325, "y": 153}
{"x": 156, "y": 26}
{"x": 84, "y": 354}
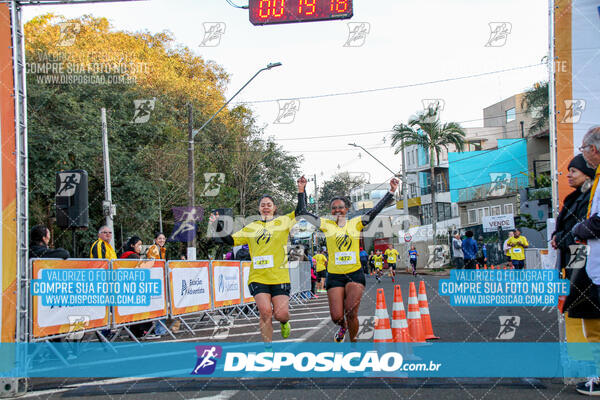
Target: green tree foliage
{"x": 535, "y": 102}
{"x": 147, "y": 160}
{"x": 339, "y": 185}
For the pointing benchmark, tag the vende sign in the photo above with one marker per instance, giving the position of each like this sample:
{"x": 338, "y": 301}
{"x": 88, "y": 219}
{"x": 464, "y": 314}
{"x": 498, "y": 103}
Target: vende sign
{"x": 492, "y": 223}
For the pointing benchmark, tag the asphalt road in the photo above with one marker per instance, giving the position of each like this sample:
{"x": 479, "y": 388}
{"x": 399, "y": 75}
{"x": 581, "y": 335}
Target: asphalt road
{"x": 310, "y": 323}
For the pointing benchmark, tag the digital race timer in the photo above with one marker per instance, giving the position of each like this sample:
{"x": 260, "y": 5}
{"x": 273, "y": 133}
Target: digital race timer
{"x": 279, "y": 11}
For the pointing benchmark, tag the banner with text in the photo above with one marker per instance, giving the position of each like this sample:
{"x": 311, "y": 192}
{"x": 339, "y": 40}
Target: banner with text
{"x": 245, "y": 274}
{"x": 55, "y": 320}
{"x": 158, "y": 304}
{"x": 226, "y": 283}
{"x": 189, "y": 286}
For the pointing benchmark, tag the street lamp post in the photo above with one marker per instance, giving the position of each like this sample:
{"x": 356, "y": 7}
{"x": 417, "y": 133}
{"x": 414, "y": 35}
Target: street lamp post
{"x": 191, "y": 250}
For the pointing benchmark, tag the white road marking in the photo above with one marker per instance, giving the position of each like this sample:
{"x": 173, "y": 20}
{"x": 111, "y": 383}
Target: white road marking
{"x": 238, "y": 334}
{"x": 83, "y": 384}
{"x": 224, "y": 395}
{"x": 316, "y": 328}
{"x": 212, "y": 328}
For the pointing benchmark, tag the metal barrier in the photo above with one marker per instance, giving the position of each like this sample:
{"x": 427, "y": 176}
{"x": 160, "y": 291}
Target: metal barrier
{"x": 300, "y": 282}
{"x": 48, "y": 322}
{"x": 124, "y": 316}
{"x": 194, "y": 292}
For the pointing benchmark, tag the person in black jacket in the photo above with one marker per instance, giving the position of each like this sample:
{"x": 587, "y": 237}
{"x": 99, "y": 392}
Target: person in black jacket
{"x": 582, "y": 301}
{"x": 39, "y": 237}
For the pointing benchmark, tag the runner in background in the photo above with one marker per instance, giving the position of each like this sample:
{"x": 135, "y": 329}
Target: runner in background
{"x": 391, "y": 256}
{"x": 321, "y": 271}
{"x": 345, "y": 279}
{"x": 371, "y": 263}
{"x": 378, "y": 261}
{"x": 481, "y": 255}
{"x": 269, "y": 278}
{"x": 517, "y": 245}
{"x": 412, "y": 255}
{"x": 364, "y": 260}
{"x": 506, "y": 248}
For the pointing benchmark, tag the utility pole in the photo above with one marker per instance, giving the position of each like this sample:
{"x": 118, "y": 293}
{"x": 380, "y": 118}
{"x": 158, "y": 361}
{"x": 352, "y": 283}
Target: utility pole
{"x": 404, "y": 181}
{"x": 191, "y": 249}
{"x": 316, "y": 196}
{"x": 160, "y": 229}
{"x": 107, "y": 206}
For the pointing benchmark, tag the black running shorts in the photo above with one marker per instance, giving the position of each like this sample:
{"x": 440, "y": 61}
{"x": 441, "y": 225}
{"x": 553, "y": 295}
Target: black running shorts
{"x": 274, "y": 290}
{"x": 340, "y": 280}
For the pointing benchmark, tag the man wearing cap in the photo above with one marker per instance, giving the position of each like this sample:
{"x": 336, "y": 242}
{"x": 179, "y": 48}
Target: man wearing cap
{"x": 589, "y": 231}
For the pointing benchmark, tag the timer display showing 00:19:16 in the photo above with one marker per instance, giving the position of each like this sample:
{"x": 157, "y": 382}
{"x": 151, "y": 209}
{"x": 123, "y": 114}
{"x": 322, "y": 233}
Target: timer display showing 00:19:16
{"x": 279, "y": 11}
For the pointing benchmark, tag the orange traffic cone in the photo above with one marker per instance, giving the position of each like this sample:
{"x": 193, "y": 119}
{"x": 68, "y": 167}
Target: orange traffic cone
{"x": 383, "y": 332}
{"x": 424, "y": 309}
{"x": 476, "y": 266}
{"x": 399, "y": 323}
{"x": 485, "y": 267}
{"x": 415, "y": 326}
{"x": 492, "y": 266}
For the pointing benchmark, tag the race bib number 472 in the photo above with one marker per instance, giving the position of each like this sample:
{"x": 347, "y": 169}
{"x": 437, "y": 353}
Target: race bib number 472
{"x": 261, "y": 262}
{"x": 345, "y": 258}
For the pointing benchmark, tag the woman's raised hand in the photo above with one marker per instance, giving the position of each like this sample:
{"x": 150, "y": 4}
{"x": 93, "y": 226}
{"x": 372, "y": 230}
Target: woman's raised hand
{"x": 394, "y": 185}
{"x": 301, "y": 184}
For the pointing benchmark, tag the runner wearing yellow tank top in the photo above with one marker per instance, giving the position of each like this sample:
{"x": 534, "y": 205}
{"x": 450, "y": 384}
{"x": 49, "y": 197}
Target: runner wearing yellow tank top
{"x": 269, "y": 278}
{"x": 378, "y": 260}
{"x": 345, "y": 278}
{"x": 321, "y": 261}
{"x": 391, "y": 256}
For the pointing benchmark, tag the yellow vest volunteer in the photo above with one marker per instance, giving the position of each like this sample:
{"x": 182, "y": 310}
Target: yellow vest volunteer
{"x": 102, "y": 249}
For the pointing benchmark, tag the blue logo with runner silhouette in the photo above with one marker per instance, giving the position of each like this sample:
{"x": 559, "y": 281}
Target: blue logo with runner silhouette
{"x": 207, "y": 359}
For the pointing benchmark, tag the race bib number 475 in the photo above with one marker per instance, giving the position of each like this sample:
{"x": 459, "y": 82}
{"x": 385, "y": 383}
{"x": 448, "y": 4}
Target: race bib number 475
{"x": 345, "y": 258}
{"x": 261, "y": 262}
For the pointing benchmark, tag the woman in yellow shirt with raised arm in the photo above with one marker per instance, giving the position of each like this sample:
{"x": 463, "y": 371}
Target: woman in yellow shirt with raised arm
{"x": 269, "y": 278}
{"x": 345, "y": 282}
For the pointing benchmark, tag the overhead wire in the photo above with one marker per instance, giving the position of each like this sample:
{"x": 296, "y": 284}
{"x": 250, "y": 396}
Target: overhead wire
{"x": 405, "y": 86}
{"x": 232, "y": 4}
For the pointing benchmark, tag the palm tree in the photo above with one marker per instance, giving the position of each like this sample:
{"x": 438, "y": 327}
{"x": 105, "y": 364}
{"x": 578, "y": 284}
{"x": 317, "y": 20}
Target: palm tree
{"x": 427, "y": 131}
{"x": 535, "y": 103}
